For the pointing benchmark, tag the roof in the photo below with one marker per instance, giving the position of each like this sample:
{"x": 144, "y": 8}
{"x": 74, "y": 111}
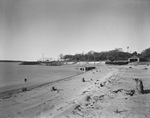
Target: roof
{"x": 134, "y": 57}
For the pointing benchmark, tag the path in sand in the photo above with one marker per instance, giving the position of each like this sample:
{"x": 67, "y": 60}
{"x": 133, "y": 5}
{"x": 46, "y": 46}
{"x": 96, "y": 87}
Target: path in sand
{"x": 116, "y": 98}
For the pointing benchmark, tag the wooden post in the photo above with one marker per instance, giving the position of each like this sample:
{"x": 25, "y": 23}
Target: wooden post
{"x": 83, "y": 80}
{"x": 139, "y": 86}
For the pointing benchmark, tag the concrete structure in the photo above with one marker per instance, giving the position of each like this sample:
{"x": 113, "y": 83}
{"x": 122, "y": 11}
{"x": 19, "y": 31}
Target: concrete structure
{"x": 134, "y": 59}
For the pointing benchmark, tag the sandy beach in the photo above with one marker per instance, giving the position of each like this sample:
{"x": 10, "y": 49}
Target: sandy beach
{"x": 108, "y": 92}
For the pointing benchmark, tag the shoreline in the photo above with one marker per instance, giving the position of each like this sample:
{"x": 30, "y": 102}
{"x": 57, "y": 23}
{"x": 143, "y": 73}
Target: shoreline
{"x": 14, "y": 79}
{"x": 9, "y": 93}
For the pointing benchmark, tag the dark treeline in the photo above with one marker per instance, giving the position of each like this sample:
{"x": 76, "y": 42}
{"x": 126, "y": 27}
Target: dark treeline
{"x": 116, "y": 54}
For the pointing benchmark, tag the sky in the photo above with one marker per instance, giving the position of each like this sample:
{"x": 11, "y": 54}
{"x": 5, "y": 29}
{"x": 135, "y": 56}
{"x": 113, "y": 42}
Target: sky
{"x": 30, "y": 28}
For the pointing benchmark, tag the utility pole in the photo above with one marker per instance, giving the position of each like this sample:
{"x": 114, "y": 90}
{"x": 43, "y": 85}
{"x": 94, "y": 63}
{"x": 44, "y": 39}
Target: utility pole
{"x": 43, "y": 56}
{"x": 128, "y": 49}
{"x": 94, "y": 58}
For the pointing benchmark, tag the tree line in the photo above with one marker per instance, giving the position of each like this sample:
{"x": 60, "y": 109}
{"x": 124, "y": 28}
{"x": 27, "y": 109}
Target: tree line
{"x": 116, "y": 54}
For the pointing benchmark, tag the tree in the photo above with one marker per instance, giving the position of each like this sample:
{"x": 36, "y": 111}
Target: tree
{"x": 61, "y": 56}
{"x": 135, "y": 53}
{"x": 146, "y": 53}
{"x": 116, "y": 54}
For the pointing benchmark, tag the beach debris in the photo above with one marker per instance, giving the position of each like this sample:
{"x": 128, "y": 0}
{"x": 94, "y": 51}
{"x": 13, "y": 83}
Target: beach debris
{"x": 131, "y": 92}
{"x": 83, "y": 80}
{"x": 61, "y": 108}
{"x": 145, "y": 68}
{"x": 127, "y": 92}
{"x": 25, "y": 80}
{"x": 130, "y": 67}
{"x": 118, "y": 111}
{"x": 102, "y": 84}
{"x": 88, "y": 98}
{"x": 96, "y": 82}
{"x": 24, "y": 89}
{"x": 139, "y": 86}
{"x": 6, "y": 96}
{"x": 84, "y": 92}
{"x": 119, "y": 90}
{"x": 78, "y": 111}
{"x": 54, "y": 89}
{"x": 101, "y": 97}
{"x": 109, "y": 81}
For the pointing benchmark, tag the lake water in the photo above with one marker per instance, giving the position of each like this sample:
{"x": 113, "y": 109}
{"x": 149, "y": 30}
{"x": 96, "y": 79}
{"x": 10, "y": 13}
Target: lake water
{"x": 12, "y": 74}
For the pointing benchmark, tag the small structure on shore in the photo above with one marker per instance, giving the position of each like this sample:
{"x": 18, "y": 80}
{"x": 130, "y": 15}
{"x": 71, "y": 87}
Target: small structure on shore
{"x": 87, "y": 68}
{"x": 134, "y": 59}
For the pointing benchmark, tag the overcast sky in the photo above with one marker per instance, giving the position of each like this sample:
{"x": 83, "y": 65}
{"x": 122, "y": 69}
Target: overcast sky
{"x": 29, "y": 28}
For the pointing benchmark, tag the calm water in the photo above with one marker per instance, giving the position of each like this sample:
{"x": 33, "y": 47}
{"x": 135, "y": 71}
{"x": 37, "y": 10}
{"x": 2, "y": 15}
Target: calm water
{"x": 12, "y": 74}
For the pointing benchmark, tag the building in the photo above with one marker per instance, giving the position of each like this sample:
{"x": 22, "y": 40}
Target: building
{"x": 134, "y": 59}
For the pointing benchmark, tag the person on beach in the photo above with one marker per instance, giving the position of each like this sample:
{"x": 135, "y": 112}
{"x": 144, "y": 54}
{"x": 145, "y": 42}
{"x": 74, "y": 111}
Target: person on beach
{"x": 25, "y": 85}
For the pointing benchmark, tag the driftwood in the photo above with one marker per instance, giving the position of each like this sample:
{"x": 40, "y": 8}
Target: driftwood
{"x": 127, "y": 92}
{"x": 54, "y": 89}
{"x": 139, "y": 86}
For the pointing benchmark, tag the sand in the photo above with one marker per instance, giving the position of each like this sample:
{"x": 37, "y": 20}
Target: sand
{"x": 108, "y": 92}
